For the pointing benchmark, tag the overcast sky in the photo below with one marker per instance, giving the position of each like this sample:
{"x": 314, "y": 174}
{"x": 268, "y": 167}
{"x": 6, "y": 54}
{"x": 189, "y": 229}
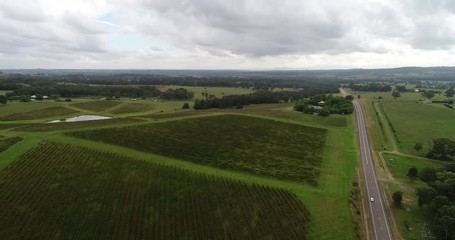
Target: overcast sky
{"x": 226, "y": 34}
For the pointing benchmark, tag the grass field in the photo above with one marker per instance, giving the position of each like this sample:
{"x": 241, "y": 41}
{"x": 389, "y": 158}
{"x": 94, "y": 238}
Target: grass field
{"x": 420, "y": 123}
{"x": 400, "y": 165}
{"x": 132, "y": 108}
{"x": 126, "y": 198}
{"x": 405, "y": 97}
{"x": 38, "y": 114}
{"x": 96, "y": 106}
{"x": 20, "y": 107}
{"x": 217, "y": 91}
{"x": 253, "y": 145}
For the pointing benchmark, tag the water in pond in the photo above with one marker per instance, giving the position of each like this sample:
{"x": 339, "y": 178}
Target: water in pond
{"x": 82, "y": 118}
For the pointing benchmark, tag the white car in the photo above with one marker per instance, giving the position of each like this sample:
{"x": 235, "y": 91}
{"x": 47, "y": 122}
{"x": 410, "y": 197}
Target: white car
{"x": 371, "y": 199}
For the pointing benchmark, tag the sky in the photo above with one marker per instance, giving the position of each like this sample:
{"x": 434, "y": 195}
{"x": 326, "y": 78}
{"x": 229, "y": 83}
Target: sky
{"x": 226, "y": 34}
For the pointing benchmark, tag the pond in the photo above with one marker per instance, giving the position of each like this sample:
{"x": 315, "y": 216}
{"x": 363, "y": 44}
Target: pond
{"x": 82, "y": 118}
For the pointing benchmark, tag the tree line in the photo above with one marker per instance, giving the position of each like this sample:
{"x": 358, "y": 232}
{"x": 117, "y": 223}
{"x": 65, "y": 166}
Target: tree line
{"x": 371, "y": 87}
{"x": 13, "y": 81}
{"x": 258, "y": 97}
{"x": 437, "y": 199}
{"x": 69, "y": 90}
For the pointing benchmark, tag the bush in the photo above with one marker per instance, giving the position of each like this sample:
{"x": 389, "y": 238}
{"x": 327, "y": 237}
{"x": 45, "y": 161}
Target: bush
{"x": 324, "y": 112}
{"x": 186, "y": 106}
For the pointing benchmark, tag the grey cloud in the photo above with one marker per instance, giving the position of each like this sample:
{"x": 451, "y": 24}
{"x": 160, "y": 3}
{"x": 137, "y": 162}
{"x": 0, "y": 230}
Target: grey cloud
{"x": 269, "y": 28}
{"x": 249, "y": 28}
{"x": 434, "y": 34}
{"x": 21, "y": 11}
{"x": 82, "y": 25}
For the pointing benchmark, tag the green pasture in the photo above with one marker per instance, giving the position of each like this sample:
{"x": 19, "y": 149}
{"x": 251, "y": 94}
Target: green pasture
{"x": 420, "y": 123}
{"x": 217, "y": 91}
{"x": 405, "y": 97}
{"x": 387, "y": 96}
{"x": 125, "y": 108}
{"x": 96, "y": 106}
{"x": 399, "y": 165}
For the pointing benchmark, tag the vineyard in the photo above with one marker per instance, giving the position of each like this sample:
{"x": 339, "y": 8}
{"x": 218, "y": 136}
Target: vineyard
{"x": 5, "y": 143}
{"x": 248, "y": 144}
{"x": 58, "y": 191}
{"x": 184, "y": 113}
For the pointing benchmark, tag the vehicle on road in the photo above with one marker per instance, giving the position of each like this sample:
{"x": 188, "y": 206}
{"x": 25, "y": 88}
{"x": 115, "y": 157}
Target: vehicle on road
{"x": 371, "y": 199}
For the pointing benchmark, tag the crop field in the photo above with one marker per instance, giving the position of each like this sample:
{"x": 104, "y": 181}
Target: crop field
{"x": 248, "y": 144}
{"x": 420, "y": 123}
{"x": 37, "y": 114}
{"x": 77, "y": 193}
{"x": 6, "y": 142}
{"x": 133, "y": 108}
{"x": 96, "y": 106}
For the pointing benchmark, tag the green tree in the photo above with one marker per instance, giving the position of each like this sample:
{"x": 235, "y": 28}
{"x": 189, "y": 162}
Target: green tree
{"x": 24, "y": 98}
{"x": 3, "y": 99}
{"x": 445, "y": 220}
{"x": 426, "y": 195}
{"x": 396, "y": 94}
{"x": 349, "y": 97}
{"x": 450, "y": 92}
{"x": 400, "y": 88}
{"x": 428, "y": 94}
{"x": 418, "y": 147}
{"x": 439, "y": 201}
{"x": 442, "y": 147}
{"x": 397, "y": 198}
{"x": 412, "y": 173}
{"x": 428, "y": 174}
{"x": 186, "y": 106}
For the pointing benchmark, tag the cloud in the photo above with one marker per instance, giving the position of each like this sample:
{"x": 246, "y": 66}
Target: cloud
{"x": 224, "y": 34}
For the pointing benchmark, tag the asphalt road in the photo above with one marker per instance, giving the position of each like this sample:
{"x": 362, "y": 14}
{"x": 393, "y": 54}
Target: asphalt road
{"x": 378, "y": 216}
